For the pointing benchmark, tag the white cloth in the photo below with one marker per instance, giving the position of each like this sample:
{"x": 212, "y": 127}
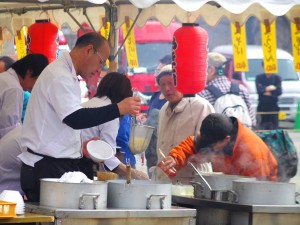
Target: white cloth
{"x": 10, "y": 165}
{"x": 11, "y": 101}
{"x": 74, "y": 177}
{"x": 107, "y": 131}
{"x": 55, "y": 95}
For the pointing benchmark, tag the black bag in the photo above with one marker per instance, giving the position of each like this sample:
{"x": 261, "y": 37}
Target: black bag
{"x": 284, "y": 151}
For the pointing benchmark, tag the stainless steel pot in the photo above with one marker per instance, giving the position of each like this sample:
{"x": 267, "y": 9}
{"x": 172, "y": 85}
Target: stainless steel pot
{"x": 139, "y": 194}
{"x": 264, "y": 192}
{"x": 221, "y": 183}
{"x": 205, "y": 191}
{"x": 73, "y": 195}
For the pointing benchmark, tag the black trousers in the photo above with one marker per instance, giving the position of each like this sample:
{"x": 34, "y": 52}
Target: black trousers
{"x": 268, "y": 121}
{"x": 47, "y": 167}
{"x": 86, "y": 166}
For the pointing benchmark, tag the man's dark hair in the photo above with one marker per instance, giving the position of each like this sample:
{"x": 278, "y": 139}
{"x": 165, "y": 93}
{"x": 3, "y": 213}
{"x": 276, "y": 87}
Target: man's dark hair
{"x": 115, "y": 86}
{"x": 215, "y": 127}
{"x": 36, "y": 63}
{"x": 7, "y": 61}
{"x": 91, "y": 38}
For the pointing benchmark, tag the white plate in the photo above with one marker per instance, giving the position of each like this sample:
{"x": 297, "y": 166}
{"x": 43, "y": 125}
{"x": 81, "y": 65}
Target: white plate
{"x": 99, "y": 150}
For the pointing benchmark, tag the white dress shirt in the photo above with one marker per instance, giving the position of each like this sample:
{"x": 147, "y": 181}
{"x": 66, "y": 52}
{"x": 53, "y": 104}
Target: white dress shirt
{"x": 55, "y": 95}
{"x": 107, "y": 131}
{"x": 10, "y": 165}
{"x": 11, "y": 101}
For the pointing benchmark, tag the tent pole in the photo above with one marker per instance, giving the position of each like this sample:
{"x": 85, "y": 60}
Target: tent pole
{"x": 73, "y": 18}
{"x": 85, "y": 14}
{"x": 127, "y": 35}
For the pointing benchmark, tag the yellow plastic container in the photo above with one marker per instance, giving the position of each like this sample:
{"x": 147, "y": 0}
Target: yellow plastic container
{"x": 103, "y": 176}
{"x": 7, "y": 209}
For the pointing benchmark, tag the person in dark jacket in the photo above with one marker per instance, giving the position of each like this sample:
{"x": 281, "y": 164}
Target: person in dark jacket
{"x": 156, "y": 102}
{"x": 268, "y": 86}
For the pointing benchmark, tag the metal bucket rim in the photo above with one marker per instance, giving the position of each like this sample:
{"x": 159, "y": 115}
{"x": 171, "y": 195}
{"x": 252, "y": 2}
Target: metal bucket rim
{"x": 56, "y": 180}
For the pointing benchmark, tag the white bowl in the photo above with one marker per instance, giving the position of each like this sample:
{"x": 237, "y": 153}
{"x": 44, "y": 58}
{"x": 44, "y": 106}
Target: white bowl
{"x": 15, "y": 197}
{"x": 11, "y": 196}
{"x": 99, "y": 150}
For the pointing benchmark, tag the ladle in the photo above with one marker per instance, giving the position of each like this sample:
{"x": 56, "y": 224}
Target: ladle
{"x": 216, "y": 195}
{"x": 200, "y": 175}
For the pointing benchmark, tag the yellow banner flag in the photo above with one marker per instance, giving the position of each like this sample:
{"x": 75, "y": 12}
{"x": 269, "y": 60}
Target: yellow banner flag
{"x": 295, "y": 33}
{"x": 130, "y": 45}
{"x": 21, "y": 42}
{"x": 104, "y": 31}
{"x": 268, "y": 33}
{"x": 239, "y": 47}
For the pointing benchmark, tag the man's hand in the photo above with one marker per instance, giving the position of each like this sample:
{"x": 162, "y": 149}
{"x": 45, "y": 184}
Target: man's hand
{"x": 130, "y": 105}
{"x": 167, "y": 163}
{"x": 271, "y": 88}
{"x": 267, "y": 93}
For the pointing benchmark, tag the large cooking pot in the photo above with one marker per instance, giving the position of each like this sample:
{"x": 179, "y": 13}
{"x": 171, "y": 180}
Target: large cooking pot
{"x": 264, "y": 192}
{"x": 139, "y": 194}
{"x": 219, "y": 182}
{"x": 73, "y": 195}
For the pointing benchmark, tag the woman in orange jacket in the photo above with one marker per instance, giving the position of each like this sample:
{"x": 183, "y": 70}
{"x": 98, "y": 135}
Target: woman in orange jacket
{"x": 231, "y": 147}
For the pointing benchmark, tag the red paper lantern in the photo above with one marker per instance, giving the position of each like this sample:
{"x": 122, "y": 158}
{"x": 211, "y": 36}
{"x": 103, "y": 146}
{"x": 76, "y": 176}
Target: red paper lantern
{"x": 43, "y": 39}
{"x": 190, "y": 58}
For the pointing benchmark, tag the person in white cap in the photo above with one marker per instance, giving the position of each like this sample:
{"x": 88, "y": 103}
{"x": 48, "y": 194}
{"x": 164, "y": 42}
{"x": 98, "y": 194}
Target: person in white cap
{"x": 179, "y": 117}
{"x": 216, "y": 77}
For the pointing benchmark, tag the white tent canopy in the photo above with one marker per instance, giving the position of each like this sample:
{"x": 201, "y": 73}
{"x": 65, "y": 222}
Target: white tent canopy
{"x": 16, "y": 13}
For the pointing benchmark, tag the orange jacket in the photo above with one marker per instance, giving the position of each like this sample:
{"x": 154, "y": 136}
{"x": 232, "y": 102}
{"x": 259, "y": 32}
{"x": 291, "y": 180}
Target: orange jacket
{"x": 250, "y": 156}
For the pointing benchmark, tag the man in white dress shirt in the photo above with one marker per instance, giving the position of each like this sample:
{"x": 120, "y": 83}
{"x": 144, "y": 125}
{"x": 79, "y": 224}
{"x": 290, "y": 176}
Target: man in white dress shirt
{"x": 21, "y": 76}
{"x": 55, "y": 117}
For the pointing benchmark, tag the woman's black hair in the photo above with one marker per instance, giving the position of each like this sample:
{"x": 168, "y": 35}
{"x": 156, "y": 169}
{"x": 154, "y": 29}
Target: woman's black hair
{"x": 115, "y": 86}
{"x": 36, "y": 63}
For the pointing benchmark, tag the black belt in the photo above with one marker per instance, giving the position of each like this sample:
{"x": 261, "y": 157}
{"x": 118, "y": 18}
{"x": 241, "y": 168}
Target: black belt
{"x": 50, "y": 157}
{"x": 29, "y": 150}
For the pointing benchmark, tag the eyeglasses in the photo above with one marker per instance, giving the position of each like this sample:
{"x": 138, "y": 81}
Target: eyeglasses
{"x": 102, "y": 61}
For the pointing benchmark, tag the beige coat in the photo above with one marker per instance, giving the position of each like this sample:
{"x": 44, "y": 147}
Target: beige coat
{"x": 183, "y": 121}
